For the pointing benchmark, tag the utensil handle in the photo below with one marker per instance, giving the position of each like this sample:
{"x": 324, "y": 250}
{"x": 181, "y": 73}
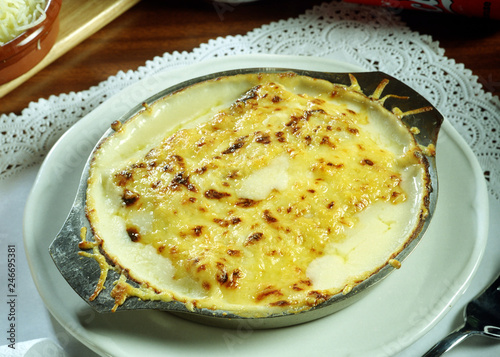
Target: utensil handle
{"x": 449, "y": 342}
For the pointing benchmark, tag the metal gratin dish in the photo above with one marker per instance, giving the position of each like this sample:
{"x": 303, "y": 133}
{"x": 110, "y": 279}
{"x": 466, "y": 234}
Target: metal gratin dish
{"x": 82, "y": 274}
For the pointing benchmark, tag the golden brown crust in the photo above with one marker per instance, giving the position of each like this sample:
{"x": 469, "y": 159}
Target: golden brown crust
{"x": 222, "y": 232}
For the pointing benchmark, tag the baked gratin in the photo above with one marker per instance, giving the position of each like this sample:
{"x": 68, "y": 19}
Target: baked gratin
{"x": 255, "y": 194}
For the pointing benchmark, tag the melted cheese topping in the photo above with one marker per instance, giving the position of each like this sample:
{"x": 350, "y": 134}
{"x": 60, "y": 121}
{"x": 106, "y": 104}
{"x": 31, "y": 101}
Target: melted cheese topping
{"x": 277, "y": 200}
{"x": 16, "y": 16}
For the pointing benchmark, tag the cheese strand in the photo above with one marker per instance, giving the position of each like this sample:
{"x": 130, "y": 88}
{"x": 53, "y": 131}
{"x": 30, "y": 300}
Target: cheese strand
{"x": 17, "y": 16}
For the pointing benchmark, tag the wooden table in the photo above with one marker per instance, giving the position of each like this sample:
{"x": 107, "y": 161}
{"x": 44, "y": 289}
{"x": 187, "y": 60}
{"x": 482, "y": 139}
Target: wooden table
{"x": 152, "y": 28}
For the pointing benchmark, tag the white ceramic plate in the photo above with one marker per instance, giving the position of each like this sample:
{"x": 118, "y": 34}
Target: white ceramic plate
{"x": 393, "y": 315}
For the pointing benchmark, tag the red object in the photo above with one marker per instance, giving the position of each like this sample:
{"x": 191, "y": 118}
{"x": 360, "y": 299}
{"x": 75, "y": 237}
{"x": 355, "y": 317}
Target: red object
{"x": 22, "y": 53}
{"x": 478, "y": 8}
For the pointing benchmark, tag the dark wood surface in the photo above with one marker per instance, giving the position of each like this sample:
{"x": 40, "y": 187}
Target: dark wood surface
{"x": 154, "y": 27}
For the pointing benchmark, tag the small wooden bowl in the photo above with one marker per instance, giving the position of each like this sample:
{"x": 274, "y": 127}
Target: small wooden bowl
{"x": 25, "y": 51}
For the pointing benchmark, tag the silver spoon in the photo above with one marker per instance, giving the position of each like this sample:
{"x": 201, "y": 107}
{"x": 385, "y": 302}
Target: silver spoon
{"x": 482, "y": 317}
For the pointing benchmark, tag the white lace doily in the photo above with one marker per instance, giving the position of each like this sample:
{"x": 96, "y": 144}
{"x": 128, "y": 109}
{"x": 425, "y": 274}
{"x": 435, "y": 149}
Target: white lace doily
{"x": 373, "y": 38}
